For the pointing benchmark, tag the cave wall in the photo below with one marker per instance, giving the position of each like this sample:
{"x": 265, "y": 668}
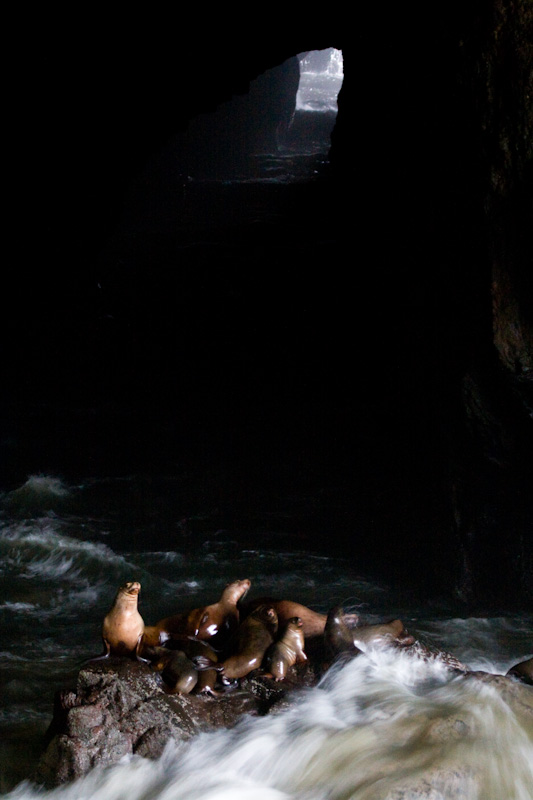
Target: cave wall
{"x": 432, "y": 150}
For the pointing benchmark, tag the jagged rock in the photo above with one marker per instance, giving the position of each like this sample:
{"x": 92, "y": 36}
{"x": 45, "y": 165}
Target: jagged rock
{"x": 119, "y": 708}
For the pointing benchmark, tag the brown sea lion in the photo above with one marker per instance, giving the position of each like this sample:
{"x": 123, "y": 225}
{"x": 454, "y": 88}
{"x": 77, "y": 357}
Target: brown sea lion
{"x": 171, "y": 627}
{"x": 220, "y": 619}
{"x": 287, "y": 651}
{"x": 123, "y": 626}
{"x": 205, "y": 659}
{"x": 383, "y": 634}
{"x": 253, "y": 638}
{"x": 313, "y": 623}
{"x": 523, "y": 671}
{"x": 338, "y": 636}
{"x": 179, "y": 675}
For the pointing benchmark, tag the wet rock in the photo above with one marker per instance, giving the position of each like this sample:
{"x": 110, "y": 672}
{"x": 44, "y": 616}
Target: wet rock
{"x": 119, "y": 708}
{"x": 517, "y": 695}
{"x": 523, "y": 671}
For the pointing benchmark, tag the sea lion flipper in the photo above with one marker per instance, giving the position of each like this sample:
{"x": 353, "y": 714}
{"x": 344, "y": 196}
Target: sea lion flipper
{"x": 203, "y": 662}
{"x": 105, "y": 654}
{"x": 138, "y": 650}
{"x": 220, "y": 691}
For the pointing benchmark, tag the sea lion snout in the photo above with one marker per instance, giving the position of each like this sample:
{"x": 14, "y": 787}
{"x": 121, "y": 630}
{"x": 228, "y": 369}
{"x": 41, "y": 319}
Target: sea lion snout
{"x": 131, "y": 588}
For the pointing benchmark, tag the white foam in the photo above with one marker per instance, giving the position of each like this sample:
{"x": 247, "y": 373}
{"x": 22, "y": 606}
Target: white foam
{"x": 378, "y": 727}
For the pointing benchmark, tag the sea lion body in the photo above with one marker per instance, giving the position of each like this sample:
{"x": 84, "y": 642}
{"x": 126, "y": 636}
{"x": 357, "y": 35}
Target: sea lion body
{"x": 252, "y": 639}
{"x": 338, "y": 636}
{"x": 288, "y": 650}
{"x": 205, "y": 660}
{"x": 219, "y": 619}
{"x": 313, "y": 622}
{"x": 173, "y": 627}
{"x": 123, "y": 626}
{"x": 523, "y": 671}
{"x": 188, "y": 665}
{"x": 178, "y": 673}
{"x": 384, "y": 634}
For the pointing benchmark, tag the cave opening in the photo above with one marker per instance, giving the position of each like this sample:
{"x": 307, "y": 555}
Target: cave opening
{"x": 280, "y": 128}
{"x": 315, "y": 113}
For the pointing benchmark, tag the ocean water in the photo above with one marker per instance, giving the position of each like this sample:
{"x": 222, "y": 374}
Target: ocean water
{"x": 369, "y": 730}
{"x": 321, "y": 75}
{"x": 383, "y": 727}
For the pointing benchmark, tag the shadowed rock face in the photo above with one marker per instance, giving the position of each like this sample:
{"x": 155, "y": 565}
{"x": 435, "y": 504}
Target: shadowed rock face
{"x": 432, "y": 155}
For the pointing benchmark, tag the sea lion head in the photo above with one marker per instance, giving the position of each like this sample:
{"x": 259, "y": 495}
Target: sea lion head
{"x": 401, "y": 636}
{"x": 161, "y": 659}
{"x": 336, "y": 615}
{"x": 338, "y": 638}
{"x": 221, "y": 617}
{"x": 236, "y": 591}
{"x": 130, "y": 590}
{"x": 295, "y": 623}
{"x": 267, "y": 615}
{"x": 294, "y": 632}
{"x": 385, "y": 634}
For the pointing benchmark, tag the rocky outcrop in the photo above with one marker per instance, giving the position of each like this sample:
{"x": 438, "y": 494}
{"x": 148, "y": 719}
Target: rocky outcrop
{"x": 432, "y": 155}
{"x": 119, "y": 708}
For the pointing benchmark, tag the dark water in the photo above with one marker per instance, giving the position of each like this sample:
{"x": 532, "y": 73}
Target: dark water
{"x": 64, "y": 550}
{"x": 194, "y": 424}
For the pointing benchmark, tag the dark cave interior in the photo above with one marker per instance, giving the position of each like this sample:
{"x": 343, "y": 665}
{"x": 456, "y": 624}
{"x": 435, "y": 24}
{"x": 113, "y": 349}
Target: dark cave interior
{"x": 362, "y": 334}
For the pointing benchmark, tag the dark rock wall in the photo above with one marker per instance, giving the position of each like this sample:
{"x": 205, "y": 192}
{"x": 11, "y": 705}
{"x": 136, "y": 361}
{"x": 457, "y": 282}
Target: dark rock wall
{"x": 432, "y": 152}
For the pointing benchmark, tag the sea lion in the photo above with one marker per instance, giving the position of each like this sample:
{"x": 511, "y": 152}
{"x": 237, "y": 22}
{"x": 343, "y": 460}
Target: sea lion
{"x": 287, "y": 651}
{"x": 178, "y": 673}
{"x": 220, "y": 619}
{"x": 338, "y": 636}
{"x": 251, "y": 641}
{"x": 313, "y": 623}
{"x": 523, "y": 671}
{"x": 205, "y": 659}
{"x": 123, "y": 626}
{"x": 383, "y": 634}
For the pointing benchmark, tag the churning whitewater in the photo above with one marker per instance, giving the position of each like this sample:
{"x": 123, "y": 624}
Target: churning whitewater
{"x": 374, "y": 729}
{"x": 384, "y": 726}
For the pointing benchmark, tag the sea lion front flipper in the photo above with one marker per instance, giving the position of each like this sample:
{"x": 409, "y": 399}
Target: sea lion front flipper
{"x": 202, "y": 663}
{"x": 105, "y": 654}
{"x": 138, "y": 649}
{"x": 220, "y": 691}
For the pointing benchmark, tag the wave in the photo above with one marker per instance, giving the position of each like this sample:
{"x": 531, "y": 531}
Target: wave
{"x": 382, "y": 727}
{"x": 39, "y": 550}
{"x": 38, "y": 494}
{"x": 492, "y": 644}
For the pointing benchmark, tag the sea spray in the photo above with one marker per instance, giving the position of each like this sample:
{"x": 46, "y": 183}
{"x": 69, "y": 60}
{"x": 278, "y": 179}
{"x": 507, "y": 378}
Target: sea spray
{"x": 60, "y": 571}
{"x": 378, "y": 726}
